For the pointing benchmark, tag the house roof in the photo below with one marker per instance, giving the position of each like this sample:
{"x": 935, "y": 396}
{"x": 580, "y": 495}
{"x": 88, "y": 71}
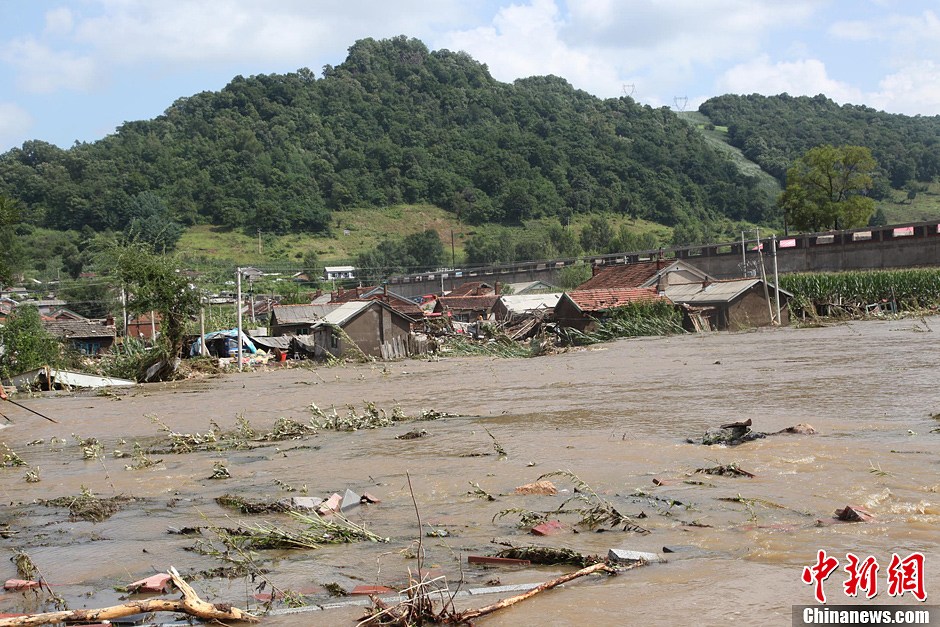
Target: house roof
{"x": 629, "y": 275}
{"x": 396, "y": 301}
{"x": 604, "y": 299}
{"x": 467, "y": 303}
{"x": 714, "y": 292}
{"x": 78, "y": 328}
{"x": 642, "y": 274}
{"x": 300, "y": 314}
{"x": 339, "y": 268}
{"x": 531, "y": 287}
{"x": 522, "y": 303}
{"x": 472, "y": 288}
{"x": 47, "y": 302}
{"x": 356, "y": 293}
{"x": 347, "y": 311}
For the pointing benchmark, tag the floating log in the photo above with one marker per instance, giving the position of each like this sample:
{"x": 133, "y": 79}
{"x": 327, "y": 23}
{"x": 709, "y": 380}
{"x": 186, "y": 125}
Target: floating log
{"x": 190, "y": 604}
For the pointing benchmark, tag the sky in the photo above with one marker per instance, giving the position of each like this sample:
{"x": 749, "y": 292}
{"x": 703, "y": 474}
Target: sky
{"x": 75, "y": 70}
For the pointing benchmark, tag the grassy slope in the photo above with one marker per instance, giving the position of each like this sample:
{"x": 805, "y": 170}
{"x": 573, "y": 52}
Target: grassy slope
{"x": 366, "y": 227}
{"x": 718, "y": 139}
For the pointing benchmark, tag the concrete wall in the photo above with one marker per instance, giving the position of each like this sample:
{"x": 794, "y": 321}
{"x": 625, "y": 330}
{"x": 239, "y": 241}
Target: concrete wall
{"x": 846, "y": 252}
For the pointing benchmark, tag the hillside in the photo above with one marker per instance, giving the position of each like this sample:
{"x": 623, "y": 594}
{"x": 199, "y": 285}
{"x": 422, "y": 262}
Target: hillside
{"x": 394, "y": 123}
{"x": 774, "y": 130}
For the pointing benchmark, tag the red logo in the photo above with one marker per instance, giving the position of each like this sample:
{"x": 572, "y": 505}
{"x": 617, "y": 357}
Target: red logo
{"x": 903, "y": 575}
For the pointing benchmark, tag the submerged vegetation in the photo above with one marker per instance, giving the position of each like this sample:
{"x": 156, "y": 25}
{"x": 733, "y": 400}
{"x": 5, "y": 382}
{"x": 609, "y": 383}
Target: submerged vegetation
{"x": 658, "y": 317}
{"x": 909, "y": 289}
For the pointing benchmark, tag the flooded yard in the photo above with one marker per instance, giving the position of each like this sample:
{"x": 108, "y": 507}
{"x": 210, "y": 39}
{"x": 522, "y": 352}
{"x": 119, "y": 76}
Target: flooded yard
{"x": 617, "y": 416}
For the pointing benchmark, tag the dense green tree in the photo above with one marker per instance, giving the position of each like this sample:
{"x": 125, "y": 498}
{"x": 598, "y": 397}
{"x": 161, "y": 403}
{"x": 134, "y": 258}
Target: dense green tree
{"x": 395, "y": 122}
{"x": 775, "y": 130}
{"x": 597, "y": 235}
{"x": 26, "y": 344}
{"x": 826, "y": 188}
{"x": 154, "y": 283}
{"x": 417, "y": 252}
{"x": 152, "y": 224}
{"x": 10, "y": 246}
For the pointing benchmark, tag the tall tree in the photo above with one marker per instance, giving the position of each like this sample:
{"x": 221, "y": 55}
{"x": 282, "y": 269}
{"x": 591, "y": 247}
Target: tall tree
{"x": 155, "y": 283}
{"x": 826, "y": 188}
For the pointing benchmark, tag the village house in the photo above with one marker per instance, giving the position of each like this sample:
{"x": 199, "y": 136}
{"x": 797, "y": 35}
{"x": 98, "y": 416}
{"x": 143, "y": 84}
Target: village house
{"x": 466, "y": 308}
{"x": 353, "y": 327}
{"x": 657, "y": 273}
{"x": 513, "y": 307}
{"x": 297, "y": 319}
{"x": 729, "y": 305}
{"x": 381, "y": 292}
{"x": 336, "y": 273}
{"x": 581, "y": 308}
{"x": 45, "y": 305}
{"x": 531, "y": 287}
{"x": 89, "y": 337}
{"x": 143, "y": 327}
{"x": 65, "y": 314}
{"x": 473, "y": 288}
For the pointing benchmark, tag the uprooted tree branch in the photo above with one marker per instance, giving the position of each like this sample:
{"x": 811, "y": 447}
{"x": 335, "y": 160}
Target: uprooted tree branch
{"x": 190, "y": 604}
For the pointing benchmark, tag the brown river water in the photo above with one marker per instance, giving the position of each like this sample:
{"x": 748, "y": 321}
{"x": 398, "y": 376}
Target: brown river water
{"x": 616, "y": 415}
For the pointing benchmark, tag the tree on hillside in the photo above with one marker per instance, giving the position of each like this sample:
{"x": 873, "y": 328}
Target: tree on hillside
{"x": 417, "y": 252}
{"x": 597, "y": 235}
{"x": 151, "y": 223}
{"x": 826, "y": 188}
{"x": 9, "y": 216}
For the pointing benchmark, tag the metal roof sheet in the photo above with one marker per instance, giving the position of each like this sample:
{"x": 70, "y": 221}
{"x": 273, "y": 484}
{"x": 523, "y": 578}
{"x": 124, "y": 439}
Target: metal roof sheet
{"x": 521, "y": 303}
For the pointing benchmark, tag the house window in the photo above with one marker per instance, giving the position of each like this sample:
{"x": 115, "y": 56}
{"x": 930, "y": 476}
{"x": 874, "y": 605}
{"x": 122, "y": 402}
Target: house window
{"x": 334, "y": 340}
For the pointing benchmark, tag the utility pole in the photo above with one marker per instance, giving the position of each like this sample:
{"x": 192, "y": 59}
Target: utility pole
{"x": 453, "y": 253}
{"x": 743, "y": 256}
{"x": 203, "y": 349}
{"x": 238, "y": 308}
{"x": 259, "y": 241}
{"x": 776, "y": 280}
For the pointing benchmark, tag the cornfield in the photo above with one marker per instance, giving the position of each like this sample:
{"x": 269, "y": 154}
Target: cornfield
{"x": 914, "y": 288}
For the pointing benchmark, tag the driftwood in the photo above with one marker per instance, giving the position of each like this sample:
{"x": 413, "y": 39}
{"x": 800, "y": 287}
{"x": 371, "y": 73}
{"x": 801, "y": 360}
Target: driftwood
{"x": 190, "y": 604}
{"x": 548, "y": 585}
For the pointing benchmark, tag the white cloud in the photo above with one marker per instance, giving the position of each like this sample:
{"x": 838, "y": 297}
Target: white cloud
{"x": 88, "y": 42}
{"x": 912, "y": 90}
{"x": 656, "y": 46}
{"x": 806, "y": 77}
{"x": 15, "y": 123}
{"x": 195, "y": 31}
{"x": 58, "y": 21}
{"x": 43, "y": 70}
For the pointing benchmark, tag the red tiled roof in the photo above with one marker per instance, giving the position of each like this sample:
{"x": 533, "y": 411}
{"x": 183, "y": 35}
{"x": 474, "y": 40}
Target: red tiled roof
{"x": 629, "y": 275}
{"x": 603, "y": 299}
{"x": 472, "y": 288}
{"x": 344, "y": 296}
{"x": 474, "y": 303}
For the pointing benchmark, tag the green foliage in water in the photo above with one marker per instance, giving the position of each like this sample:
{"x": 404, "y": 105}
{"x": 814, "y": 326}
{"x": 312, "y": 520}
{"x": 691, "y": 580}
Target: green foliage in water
{"x": 912, "y": 288}
{"x": 652, "y": 317}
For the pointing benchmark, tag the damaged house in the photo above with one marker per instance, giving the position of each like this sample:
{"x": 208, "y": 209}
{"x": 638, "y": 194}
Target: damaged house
{"x": 580, "y": 309}
{"x": 368, "y": 327}
{"x": 729, "y": 305}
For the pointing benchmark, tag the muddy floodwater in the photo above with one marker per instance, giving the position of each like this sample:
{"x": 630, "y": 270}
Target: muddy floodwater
{"x": 616, "y": 415}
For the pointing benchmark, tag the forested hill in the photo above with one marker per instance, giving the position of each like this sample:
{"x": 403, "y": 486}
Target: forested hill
{"x": 774, "y": 130}
{"x": 394, "y": 123}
